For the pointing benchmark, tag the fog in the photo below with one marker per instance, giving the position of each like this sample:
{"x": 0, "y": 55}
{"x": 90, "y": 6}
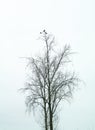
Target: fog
{"x": 71, "y": 22}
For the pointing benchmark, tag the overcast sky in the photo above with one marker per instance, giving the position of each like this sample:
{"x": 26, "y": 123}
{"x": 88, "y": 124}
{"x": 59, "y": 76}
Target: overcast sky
{"x": 71, "y": 21}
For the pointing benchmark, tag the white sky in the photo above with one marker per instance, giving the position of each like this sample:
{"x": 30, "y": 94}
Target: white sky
{"x": 71, "y": 21}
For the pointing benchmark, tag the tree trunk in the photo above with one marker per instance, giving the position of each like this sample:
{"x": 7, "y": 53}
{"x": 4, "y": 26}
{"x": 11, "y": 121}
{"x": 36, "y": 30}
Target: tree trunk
{"x": 50, "y": 111}
{"x": 51, "y": 121}
{"x": 46, "y": 126}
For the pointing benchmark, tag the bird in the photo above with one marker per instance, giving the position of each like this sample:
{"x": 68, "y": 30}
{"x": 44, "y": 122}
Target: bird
{"x": 44, "y": 31}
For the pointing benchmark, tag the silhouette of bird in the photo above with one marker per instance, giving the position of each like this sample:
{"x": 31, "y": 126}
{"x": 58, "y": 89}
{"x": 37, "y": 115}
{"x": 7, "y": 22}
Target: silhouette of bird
{"x": 44, "y": 31}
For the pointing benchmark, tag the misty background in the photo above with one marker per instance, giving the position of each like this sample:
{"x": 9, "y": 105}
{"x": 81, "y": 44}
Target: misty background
{"x": 71, "y": 22}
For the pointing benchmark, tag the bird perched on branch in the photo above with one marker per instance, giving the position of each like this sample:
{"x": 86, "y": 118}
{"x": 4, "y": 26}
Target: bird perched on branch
{"x": 44, "y": 31}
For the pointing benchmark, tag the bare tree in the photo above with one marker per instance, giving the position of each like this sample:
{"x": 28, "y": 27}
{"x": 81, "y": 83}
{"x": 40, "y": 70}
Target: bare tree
{"x": 49, "y": 83}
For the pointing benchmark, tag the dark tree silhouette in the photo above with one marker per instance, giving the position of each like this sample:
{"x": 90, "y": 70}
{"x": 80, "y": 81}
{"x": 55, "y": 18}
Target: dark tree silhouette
{"x": 49, "y": 84}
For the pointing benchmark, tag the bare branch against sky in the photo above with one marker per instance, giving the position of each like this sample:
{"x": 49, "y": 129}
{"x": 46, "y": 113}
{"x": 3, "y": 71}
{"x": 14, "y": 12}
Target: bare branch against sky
{"x": 49, "y": 82}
